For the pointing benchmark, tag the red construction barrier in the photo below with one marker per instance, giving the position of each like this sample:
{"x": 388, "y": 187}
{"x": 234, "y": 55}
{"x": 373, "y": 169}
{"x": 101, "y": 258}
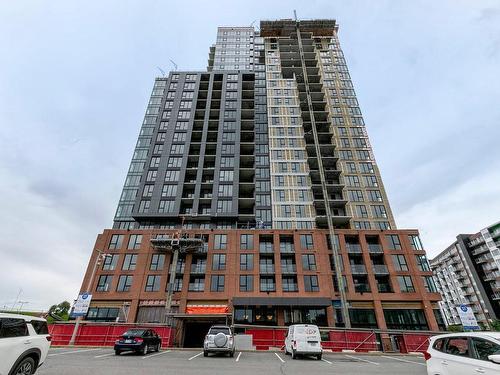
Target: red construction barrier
{"x": 361, "y": 341}
{"x": 263, "y": 338}
{"x": 416, "y": 342}
{"x": 103, "y": 334}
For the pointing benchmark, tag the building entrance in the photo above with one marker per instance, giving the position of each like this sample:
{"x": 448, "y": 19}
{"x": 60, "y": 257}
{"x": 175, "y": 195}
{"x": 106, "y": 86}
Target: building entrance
{"x": 194, "y": 334}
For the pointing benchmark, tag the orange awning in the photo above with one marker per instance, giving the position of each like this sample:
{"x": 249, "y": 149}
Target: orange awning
{"x": 207, "y": 309}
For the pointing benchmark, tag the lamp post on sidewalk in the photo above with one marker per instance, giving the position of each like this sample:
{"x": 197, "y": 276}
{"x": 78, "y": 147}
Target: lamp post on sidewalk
{"x": 100, "y": 256}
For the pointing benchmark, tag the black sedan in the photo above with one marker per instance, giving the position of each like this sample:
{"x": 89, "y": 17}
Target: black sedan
{"x": 138, "y": 340}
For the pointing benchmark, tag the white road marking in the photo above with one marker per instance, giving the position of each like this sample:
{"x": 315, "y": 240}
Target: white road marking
{"x": 154, "y": 355}
{"x": 238, "y": 357}
{"x": 361, "y": 359}
{"x": 194, "y": 356}
{"x": 281, "y": 359}
{"x": 324, "y": 360}
{"x": 404, "y": 360}
{"x": 104, "y": 355}
{"x": 73, "y": 351}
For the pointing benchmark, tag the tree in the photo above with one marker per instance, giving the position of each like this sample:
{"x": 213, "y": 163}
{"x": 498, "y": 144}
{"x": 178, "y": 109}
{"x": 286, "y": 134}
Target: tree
{"x": 495, "y": 325}
{"x": 59, "y": 312}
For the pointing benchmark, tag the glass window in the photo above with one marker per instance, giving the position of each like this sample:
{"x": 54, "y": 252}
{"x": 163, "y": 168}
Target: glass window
{"x": 220, "y": 241}
{"x": 406, "y": 284}
{"x": 457, "y": 346}
{"x": 124, "y": 283}
{"x": 218, "y": 262}
{"x": 153, "y": 283}
{"x": 110, "y": 262}
{"x": 267, "y": 284}
{"x": 246, "y": 262}
{"x": 217, "y": 283}
{"x": 306, "y": 241}
{"x": 311, "y": 283}
{"x": 411, "y": 319}
{"x": 13, "y": 328}
{"x": 104, "y": 283}
{"x": 129, "y": 262}
{"x": 422, "y": 263}
{"x": 246, "y": 283}
{"x": 157, "y": 261}
{"x": 393, "y": 242}
{"x": 134, "y": 242}
{"x": 116, "y": 241}
{"x": 246, "y": 241}
{"x": 363, "y": 318}
{"x": 309, "y": 262}
{"x": 415, "y": 242}
{"x": 399, "y": 261}
{"x": 429, "y": 284}
{"x": 483, "y": 348}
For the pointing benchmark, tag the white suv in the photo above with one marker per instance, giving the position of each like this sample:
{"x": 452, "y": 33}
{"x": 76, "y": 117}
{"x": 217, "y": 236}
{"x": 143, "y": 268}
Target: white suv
{"x": 24, "y": 344}
{"x": 219, "y": 339}
{"x": 464, "y": 354}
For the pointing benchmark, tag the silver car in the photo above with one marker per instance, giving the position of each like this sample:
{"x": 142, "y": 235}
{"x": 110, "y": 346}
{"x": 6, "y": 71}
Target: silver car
{"x": 219, "y": 339}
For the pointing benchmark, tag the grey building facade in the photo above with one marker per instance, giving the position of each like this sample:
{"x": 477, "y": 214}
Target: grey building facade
{"x": 270, "y": 136}
{"x": 467, "y": 272}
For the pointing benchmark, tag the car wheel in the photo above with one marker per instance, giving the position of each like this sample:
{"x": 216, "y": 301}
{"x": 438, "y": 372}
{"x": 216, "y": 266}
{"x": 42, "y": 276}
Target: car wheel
{"x": 144, "y": 350}
{"x": 294, "y": 355}
{"x": 117, "y": 352}
{"x": 319, "y": 357}
{"x": 205, "y": 353}
{"x": 231, "y": 354}
{"x": 25, "y": 367}
{"x": 157, "y": 347}
{"x": 286, "y": 351}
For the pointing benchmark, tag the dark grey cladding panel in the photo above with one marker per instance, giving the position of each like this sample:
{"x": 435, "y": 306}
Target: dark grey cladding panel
{"x": 282, "y": 301}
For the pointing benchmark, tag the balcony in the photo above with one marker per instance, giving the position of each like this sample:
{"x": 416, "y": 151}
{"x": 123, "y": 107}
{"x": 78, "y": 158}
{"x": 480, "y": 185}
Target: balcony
{"x": 198, "y": 268}
{"x": 496, "y": 296}
{"x": 289, "y": 268}
{"x": 266, "y": 269}
{"x": 196, "y": 287}
{"x": 362, "y": 288}
{"x": 358, "y": 269}
{"x": 380, "y": 269}
{"x": 375, "y": 248}
{"x": 353, "y": 248}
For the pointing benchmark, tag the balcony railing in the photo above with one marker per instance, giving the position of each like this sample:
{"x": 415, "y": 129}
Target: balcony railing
{"x": 198, "y": 268}
{"x": 358, "y": 269}
{"x": 375, "y": 248}
{"x": 266, "y": 269}
{"x": 196, "y": 287}
{"x": 353, "y": 248}
{"x": 291, "y": 268}
{"x": 380, "y": 269}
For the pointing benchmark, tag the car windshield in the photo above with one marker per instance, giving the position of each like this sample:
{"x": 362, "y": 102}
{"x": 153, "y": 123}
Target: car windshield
{"x": 134, "y": 332}
{"x": 216, "y": 330}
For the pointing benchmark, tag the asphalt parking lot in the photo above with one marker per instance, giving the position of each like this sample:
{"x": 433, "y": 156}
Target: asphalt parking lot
{"x": 103, "y": 361}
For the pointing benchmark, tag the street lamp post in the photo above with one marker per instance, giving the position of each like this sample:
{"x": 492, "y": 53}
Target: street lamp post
{"x": 100, "y": 256}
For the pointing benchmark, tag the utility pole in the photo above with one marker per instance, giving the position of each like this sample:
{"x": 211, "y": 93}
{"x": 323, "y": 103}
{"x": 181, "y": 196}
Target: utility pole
{"x": 100, "y": 256}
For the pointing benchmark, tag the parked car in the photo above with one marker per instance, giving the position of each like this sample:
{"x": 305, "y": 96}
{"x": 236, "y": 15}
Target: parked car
{"x": 219, "y": 339}
{"x": 303, "y": 339}
{"x": 464, "y": 354}
{"x": 138, "y": 340}
{"x": 24, "y": 344}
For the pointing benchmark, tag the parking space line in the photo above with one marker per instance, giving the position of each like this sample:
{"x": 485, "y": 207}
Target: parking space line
{"x": 154, "y": 355}
{"x": 404, "y": 360}
{"x": 238, "y": 357}
{"x": 194, "y": 356}
{"x": 324, "y": 360}
{"x": 281, "y": 359}
{"x": 73, "y": 351}
{"x": 361, "y": 359}
{"x": 104, "y": 355}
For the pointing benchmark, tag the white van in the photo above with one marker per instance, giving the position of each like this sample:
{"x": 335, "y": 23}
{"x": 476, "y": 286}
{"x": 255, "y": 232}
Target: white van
{"x": 303, "y": 339}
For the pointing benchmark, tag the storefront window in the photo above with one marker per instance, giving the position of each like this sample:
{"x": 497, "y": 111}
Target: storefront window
{"x": 405, "y": 319}
{"x": 363, "y": 318}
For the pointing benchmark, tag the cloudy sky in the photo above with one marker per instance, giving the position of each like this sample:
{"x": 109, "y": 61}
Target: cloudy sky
{"x": 75, "y": 77}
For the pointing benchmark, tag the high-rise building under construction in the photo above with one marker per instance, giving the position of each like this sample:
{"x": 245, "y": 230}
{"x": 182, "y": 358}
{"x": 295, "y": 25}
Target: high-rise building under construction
{"x": 265, "y": 157}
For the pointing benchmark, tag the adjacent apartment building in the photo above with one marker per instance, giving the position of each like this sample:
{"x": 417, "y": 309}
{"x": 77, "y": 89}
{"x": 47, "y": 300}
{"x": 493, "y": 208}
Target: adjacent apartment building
{"x": 266, "y": 158}
{"x": 468, "y": 272}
